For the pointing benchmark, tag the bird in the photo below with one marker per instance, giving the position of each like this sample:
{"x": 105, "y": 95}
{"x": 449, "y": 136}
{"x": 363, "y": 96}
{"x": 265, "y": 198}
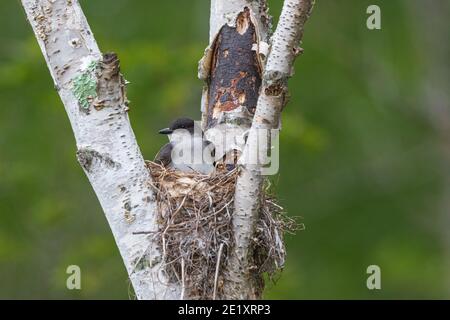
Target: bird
{"x": 188, "y": 150}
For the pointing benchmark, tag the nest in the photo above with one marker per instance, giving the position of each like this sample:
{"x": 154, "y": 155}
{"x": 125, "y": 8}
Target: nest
{"x": 196, "y": 234}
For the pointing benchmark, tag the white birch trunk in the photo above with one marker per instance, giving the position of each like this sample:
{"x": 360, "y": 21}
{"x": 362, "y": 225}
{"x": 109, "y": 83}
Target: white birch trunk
{"x": 278, "y": 69}
{"x": 226, "y": 11}
{"x": 93, "y": 93}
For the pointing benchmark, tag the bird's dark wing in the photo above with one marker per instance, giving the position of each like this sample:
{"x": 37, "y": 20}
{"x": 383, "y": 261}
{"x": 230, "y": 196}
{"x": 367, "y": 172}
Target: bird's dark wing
{"x": 211, "y": 147}
{"x": 164, "y": 155}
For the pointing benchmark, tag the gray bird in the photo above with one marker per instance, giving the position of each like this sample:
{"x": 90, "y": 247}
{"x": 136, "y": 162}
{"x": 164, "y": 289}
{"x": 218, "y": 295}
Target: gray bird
{"x": 188, "y": 150}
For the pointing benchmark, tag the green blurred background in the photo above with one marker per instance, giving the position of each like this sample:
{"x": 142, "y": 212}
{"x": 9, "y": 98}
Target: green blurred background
{"x": 364, "y": 148}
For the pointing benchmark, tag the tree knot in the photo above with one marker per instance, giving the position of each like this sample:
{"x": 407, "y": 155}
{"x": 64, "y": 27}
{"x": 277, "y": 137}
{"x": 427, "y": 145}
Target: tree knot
{"x": 88, "y": 158}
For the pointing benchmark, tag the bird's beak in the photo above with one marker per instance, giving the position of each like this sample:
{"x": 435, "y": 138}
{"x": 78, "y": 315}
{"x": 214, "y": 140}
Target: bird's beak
{"x": 165, "y": 131}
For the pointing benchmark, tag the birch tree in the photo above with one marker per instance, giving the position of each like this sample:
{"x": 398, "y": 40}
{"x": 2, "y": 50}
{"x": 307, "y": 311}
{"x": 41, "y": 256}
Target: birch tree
{"x": 245, "y": 69}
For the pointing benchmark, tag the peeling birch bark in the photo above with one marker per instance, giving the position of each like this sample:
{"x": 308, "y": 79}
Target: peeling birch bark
{"x": 273, "y": 96}
{"x": 225, "y": 13}
{"x": 232, "y": 69}
{"x": 235, "y": 73}
{"x": 93, "y": 92}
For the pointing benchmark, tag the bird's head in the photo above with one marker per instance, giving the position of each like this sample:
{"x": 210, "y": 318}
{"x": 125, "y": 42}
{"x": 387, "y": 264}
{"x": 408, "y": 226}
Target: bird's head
{"x": 179, "y": 124}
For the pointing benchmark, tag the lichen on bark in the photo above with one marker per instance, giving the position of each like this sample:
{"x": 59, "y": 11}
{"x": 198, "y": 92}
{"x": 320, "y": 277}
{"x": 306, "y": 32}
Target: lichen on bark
{"x": 84, "y": 86}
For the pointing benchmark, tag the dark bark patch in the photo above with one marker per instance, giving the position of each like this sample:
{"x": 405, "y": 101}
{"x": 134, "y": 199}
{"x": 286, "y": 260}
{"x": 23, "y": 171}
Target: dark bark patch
{"x": 274, "y": 90}
{"x": 235, "y": 76}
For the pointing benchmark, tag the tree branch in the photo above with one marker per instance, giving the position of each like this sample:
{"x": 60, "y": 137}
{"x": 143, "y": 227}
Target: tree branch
{"x": 272, "y": 98}
{"x": 93, "y": 92}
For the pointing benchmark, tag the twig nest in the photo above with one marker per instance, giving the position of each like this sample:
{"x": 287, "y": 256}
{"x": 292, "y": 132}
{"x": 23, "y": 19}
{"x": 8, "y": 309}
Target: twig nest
{"x": 196, "y": 234}
{"x": 182, "y": 186}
